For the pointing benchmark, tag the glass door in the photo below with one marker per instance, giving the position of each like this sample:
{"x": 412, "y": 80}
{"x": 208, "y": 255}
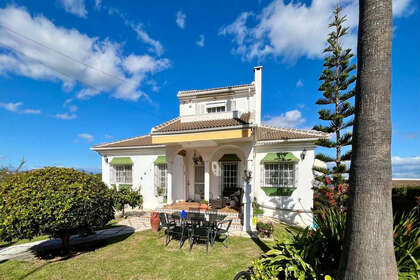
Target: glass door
{"x": 199, "y": 181}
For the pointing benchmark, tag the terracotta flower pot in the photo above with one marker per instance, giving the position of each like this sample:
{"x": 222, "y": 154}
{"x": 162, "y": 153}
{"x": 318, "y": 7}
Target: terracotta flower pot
{"x": 204, "y": 206}
{"x": 155, "y": 221}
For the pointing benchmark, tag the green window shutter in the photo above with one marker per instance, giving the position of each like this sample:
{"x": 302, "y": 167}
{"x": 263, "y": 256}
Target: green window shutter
{"x": 229, "y": 157}
{"x": 121, "y": 161}
{"x": 160, "y": 160}
{"x": 279, "y": 157}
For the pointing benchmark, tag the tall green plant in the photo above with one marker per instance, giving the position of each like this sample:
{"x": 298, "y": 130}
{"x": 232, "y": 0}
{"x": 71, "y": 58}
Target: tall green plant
{"x": 126, "y": 195}
{"x": 336, "y": 88}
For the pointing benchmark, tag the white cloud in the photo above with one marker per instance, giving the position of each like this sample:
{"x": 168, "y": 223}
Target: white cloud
{"x": 98, "y": 4}
{"x": 107, "y": 136}
{"x": 200, "y": 41}
{"x": 294, "y": 29}
{"x": 86, "y": 136}
{"x": 301, "y": 105}
{"x": 401, "y": 8}
{"x": 16, "y": 108}
{"x": 65, "y": 116}
{"x": 290, "y": 119}
{"x": 406, "y": 167}
{"x": 76, "y": 7}
{"x": 180, "y": 19}
{"x": 299, "y": 84}
{"x": 156, "y": 46}
{"x": 135, "y": 64}
{"x": 36, "y": 48}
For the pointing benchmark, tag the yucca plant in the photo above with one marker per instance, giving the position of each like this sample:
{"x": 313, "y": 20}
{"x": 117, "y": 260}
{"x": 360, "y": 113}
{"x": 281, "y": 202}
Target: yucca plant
{"x": 407, "y": 244}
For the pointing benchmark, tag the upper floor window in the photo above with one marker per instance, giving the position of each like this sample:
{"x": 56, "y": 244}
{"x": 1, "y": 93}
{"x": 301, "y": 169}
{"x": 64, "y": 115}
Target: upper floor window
{"x": 216, "y": 109}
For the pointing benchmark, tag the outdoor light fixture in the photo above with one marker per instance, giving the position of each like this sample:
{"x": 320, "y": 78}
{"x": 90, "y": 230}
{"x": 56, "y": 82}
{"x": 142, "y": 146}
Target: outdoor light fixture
{"x": 106, "y": 159}
{"x": 197, "y": 159}
{"x": 303, "y": 154}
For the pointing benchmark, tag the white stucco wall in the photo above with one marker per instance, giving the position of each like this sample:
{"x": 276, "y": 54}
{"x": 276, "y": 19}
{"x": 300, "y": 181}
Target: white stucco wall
{"x": 142, "y": 172}
{"x": 295, "y": 208}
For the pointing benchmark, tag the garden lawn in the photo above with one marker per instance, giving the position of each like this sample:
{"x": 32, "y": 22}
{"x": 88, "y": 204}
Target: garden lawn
{"x": 141, "y": 256}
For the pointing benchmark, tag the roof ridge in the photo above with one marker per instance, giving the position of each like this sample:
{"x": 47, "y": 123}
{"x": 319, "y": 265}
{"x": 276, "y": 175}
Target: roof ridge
{"x": 166, "y": 123}
{"x": 303, "y": 131}
{"x": 216, "y": 88}
{"x": 119, "y": 141}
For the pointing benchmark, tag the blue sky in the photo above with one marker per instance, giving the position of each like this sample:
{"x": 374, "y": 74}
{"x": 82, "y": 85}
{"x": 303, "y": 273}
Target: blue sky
{"x": 74, "y": 73}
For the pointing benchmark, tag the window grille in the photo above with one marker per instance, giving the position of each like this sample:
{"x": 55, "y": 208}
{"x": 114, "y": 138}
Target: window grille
{"x": 121, "y": 174}
{"x": 278, "y": 174}
{"x": 161, "y": 173}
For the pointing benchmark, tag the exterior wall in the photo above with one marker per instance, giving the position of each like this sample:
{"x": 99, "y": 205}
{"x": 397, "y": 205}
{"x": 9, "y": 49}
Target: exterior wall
{"x": 142, "y": 172}
{"x": 286, "y": 208}
{"x": 241, "y": 102}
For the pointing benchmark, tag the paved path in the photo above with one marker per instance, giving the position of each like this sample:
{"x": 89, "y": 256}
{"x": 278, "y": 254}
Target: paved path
{"x": 27, "y": 251}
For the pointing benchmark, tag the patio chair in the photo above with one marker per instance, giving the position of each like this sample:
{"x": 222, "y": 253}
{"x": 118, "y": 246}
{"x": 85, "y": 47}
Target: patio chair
{"x": 172, "y": 230}
{"x": 200, "y": 233}
{"x": 222, "y": 230}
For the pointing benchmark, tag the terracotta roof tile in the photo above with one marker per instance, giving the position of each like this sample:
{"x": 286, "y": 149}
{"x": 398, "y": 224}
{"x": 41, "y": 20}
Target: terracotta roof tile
{"x": 177, "y": 125}
{"x": 267, "y": 133}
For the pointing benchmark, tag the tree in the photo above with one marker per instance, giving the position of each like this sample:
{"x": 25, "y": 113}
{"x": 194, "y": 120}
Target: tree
{"x": 368, "y": 250}
{"x": 126, "y": 195}
{"x": 337, "y": 79}
{"x": 54, "y": 201}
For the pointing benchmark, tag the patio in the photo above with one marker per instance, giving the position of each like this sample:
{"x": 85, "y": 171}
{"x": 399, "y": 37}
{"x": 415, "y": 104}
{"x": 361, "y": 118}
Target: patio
{"x": 182, "y": 205}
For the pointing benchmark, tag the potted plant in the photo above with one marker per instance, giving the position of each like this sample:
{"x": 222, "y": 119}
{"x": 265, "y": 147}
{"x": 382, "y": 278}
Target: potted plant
{"x": 265, "y": 229}
{"x": 204, "y": 204}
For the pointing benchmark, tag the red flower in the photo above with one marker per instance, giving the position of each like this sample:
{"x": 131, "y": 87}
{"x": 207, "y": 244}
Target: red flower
{"x": 323, "y": 215}
{"x": 327, "y": 180}
{"x": 299, "y": 212}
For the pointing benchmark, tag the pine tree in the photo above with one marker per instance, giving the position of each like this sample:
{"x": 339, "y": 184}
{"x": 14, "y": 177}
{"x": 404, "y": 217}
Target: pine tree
{"x": 337, "y": 79}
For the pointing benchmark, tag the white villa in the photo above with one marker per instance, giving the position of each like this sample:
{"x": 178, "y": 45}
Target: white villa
{"x": 203, "y": 153}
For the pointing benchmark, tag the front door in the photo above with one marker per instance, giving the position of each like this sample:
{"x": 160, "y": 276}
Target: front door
{"x": 199, "y": 181}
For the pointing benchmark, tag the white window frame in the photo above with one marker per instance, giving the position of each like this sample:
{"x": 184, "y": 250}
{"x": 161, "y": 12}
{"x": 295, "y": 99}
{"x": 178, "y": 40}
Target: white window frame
{"x": 161, "y": 177}
{"x": 216, "y": 107}
{"x": 278, "y": 174}
{"x": 122, "y": 174}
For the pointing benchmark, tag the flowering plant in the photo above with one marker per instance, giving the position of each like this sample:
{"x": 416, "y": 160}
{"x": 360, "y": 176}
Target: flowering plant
{"x": 265, "y": 229}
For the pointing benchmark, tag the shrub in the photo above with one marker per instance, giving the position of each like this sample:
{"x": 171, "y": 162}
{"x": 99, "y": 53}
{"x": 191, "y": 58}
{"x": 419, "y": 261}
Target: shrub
{"x": 265, "y": 229}
{"x": 54, "y": 201}
{"x": 124, "y": 195}
{"x": 203, "y": 201}
{"x": 256, "y": 209}
{"x": 405, "y": 198}
{"x": 282, "y": 262}
{"x": 321, "y": 247}
{"x": 331, "y": 196}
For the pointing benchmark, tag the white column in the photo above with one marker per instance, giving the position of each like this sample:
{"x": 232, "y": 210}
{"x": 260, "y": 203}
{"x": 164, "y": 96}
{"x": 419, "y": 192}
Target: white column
{"x": 170, "y": 165}
{"x": 207, "y": 180}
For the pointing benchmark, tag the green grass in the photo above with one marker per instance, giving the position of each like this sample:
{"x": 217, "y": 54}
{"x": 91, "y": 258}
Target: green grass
{"x": 143, "y": 256}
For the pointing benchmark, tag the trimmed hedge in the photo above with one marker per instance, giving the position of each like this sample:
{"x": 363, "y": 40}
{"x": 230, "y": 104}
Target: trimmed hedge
{"x": 405, "y": 198}
{"x": 54, "y": 201}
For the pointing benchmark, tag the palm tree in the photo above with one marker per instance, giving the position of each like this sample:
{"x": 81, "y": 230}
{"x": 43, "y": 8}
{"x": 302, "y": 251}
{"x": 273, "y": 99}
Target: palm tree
{"x": 368, "y": 251}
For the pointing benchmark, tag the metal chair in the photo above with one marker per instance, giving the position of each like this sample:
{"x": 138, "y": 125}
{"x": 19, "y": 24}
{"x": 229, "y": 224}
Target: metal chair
{"x": 172, "y": 230}
{"x": 200, "y": 233}
{"x": 222, "y": 230}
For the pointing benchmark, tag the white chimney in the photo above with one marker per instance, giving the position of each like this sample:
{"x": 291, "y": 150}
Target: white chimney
{"x": 258, "y": 86}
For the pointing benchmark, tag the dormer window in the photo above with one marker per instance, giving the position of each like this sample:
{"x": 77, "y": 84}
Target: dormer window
{"x": 216, "y": 109}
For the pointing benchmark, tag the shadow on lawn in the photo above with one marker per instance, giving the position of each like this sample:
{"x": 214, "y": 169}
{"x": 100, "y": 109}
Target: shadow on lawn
{"x": 56, "y": 254}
